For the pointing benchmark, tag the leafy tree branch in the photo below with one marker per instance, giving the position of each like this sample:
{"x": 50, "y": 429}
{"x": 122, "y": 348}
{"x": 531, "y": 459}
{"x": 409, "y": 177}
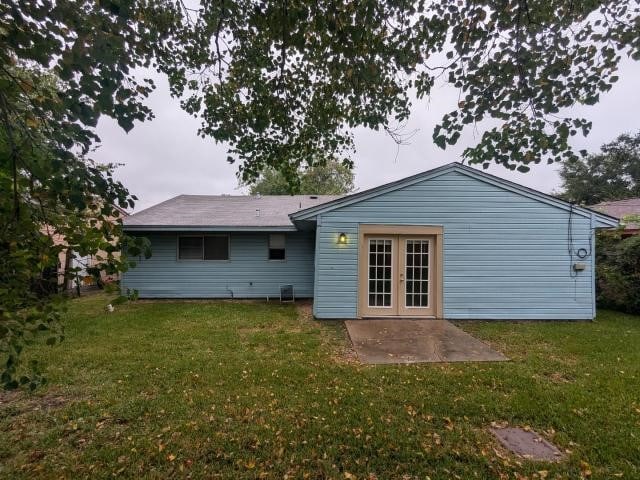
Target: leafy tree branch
{"x": 62, "y": 65}
{"x": 295, "y": 78}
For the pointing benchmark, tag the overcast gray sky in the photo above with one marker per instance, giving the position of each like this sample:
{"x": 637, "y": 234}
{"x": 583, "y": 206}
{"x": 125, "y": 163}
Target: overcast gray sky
{"x": 165, "y": 157}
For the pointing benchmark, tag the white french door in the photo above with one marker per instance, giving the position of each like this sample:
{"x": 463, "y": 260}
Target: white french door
{"x": 399, "y": 276}
{"x": 416, "y": 278}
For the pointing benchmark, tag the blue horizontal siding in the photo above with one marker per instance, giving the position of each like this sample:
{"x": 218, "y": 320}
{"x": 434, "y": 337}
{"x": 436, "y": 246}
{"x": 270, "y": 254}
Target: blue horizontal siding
{"x": 505, "y": 254}
{"x": 248, "y": 272}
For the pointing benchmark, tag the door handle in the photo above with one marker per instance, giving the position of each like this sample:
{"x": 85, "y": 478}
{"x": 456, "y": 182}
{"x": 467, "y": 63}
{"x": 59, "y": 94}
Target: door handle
{"x": 402, "y": 277}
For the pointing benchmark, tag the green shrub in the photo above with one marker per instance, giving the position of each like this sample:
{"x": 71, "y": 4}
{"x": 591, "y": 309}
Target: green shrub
{"x": 618, "y": 272}
{"x": 129, "y": 296}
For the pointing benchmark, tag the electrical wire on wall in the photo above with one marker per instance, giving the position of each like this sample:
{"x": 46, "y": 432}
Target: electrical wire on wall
{"x": 572, "y": 272}
{"x": 581, "y": 253}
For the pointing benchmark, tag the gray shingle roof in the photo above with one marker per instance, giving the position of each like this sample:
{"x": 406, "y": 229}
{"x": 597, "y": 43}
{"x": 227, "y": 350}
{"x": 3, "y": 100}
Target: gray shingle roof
{"x": 620, "y": 209}
{"x": 224, "y": 211}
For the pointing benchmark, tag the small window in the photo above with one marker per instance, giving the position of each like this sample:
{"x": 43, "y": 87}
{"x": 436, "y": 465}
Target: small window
{"x": 190, "y": 248}
{"x": 276, "y": 246}
{"x": 216, "y": 248}
{"x": 210, "y": 247}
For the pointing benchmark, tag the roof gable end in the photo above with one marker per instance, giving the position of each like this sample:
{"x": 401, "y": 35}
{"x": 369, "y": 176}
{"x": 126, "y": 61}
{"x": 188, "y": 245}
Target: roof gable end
{"x": 600, "y": 220}
{"x": 308, "y": 213}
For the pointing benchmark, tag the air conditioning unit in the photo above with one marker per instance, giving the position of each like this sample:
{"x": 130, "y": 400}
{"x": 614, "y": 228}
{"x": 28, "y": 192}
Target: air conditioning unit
{"x": 287, "y": 294}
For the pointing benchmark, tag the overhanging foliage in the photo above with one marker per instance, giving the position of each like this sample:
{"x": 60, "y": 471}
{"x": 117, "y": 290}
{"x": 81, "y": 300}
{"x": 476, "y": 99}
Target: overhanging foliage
{"x": 61, "y": 67}
{"x": 284, "y": 82}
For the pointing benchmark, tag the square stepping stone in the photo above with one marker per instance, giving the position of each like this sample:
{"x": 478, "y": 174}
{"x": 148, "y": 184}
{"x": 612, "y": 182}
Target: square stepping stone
{"x": 527, "y": 444}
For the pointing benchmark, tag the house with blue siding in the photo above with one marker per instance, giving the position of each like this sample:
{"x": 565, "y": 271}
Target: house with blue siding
{"x": 452, "y": 242}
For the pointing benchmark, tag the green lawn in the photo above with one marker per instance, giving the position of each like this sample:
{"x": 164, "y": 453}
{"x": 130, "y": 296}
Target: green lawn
{"x": 250, "y": 390}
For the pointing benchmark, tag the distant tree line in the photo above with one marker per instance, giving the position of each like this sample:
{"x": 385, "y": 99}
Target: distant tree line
{"x": 611, "y": 174}
{"x": 329, "y": 177}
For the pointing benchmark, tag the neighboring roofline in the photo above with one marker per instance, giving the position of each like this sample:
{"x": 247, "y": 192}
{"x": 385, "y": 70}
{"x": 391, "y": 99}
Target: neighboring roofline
{"x": 614, "y": 202}
{"x": 208, "y": 228}
{"x": 308, "y": 213}
{"x": 635, "y": 203}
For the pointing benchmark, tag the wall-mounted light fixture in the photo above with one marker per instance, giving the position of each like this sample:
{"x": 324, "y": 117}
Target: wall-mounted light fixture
{"x": 342, "y": 238}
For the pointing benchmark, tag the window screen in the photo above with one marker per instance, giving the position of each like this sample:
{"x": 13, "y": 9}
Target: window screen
{"x": 190, "y": 248}
{"x": 276, "y": 246}
{"x": 216, "y": 247}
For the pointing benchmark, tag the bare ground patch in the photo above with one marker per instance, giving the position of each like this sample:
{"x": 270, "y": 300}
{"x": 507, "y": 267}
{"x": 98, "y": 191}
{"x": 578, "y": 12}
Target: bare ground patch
{"x": 557, "y": 378}
{"x": 333, "y": 333}
{"x": 19, "y": 402}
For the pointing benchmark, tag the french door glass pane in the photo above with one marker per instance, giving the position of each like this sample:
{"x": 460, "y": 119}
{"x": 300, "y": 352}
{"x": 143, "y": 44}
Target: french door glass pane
{"x": 417, "y": 273}
{"x": 379, "y": 273}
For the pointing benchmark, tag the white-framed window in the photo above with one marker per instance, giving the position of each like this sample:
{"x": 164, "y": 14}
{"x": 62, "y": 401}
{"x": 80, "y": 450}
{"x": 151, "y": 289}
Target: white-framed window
{"x": 277, "y": 243}
{"x": 203, "y": 247}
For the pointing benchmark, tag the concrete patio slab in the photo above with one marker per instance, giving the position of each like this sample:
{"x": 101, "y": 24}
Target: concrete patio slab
{"x": 415, "y": 341}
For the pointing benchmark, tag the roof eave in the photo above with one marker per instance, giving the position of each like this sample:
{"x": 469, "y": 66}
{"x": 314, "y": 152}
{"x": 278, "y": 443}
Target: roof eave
{"x": 209, "y": 228}
{"x": 605, "y": 221}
